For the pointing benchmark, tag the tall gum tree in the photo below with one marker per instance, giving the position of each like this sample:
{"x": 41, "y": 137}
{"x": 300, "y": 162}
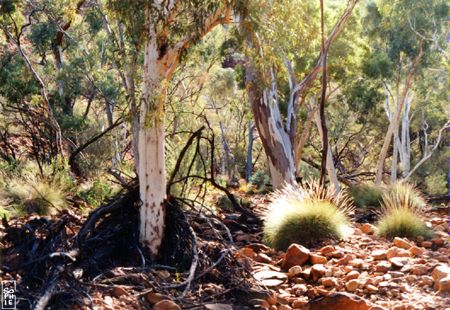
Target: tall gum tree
{"x": 278, "y": 132}
{"x": 404, "y": 33}
{"x": 170, "y": 28}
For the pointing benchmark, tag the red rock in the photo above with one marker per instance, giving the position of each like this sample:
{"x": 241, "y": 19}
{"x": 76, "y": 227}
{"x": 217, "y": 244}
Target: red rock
{"x": 426, "y": 244}
{"x": 153, "y": 297}
{"x": 295, "y": 255}
{"x": 438, "y": 242}
{"x": 419, "y": 270}
{"x": 327, "y": 249}
{"x": 416, "y": 251}
{"x": 398, "y": 262}
{"x": 352, "y": 285}
{"x": 397, "y": 252}
{"x": 440, "y": 272}
{"x": 118, "y": 291}
{"x": 444, "y": 285}
{"x": 402, "y": 243}
{"x": 263, "y": 258}
{"x": 294, "y": 271}
{"x": 378, "y": 254}
{"x": 336, "y": 301}
{"x": 371, "y": 288}
{"x": 368, "y": 229}
{"x": 317, "y": 259}
{"x": 352, "y": 275}
{"x": 166, "y": 305}
{"x": 299, "y": 289}
{"x": 329, "y": 282}
{"x": 317, "y": 272}
{"x": 299, "y": 303}
{"x": 382, "y": 266}
{"x": 345, "y": 260}
{"x": 247, "y": 252}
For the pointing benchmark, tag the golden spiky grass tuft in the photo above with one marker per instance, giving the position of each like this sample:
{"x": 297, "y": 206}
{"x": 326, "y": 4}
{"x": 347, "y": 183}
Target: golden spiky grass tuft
{"x": 404, "y": 194}
{"x": 401, "y": 212}
{"x": 305, "y": 215}
{"x": 32, "y": 195}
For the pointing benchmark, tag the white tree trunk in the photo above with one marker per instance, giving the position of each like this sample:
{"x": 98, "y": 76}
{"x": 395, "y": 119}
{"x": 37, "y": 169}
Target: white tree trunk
{"x": 152, "y": 168}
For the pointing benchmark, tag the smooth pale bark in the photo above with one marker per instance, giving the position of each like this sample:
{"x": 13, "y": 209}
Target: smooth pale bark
{"x": 331, "y": 170}
{"x": 160, "y": 61}
{"x": 393, "y": 125}
{"x": 269, "y": 124}
{"x": 152, "y": 168}
{"x": 428, "y": 152}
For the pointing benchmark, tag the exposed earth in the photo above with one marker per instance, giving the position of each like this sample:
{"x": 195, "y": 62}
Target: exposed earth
{"x": 363, "y": 271}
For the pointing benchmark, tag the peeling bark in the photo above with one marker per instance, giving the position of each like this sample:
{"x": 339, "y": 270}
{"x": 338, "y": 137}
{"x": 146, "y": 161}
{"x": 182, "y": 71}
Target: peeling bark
{"x": 274, "y": 138}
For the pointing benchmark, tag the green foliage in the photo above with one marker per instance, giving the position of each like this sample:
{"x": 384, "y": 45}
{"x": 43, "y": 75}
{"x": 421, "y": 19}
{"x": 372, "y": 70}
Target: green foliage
{"x": 95, "y": 193}
{"x": 260, "y": 179}
{"x": 305, "y": 216}
{"x": 378, "y": 65}
{"x": 436, "y": 184}
{"x": 224, "y": 203}
{"x": 366, "y": 195}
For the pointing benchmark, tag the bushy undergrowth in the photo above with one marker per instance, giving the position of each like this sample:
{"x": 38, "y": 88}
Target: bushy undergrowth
{"x": 261, "y": 181}
{"x": 402, "y": 207}
{"x": 305, "y": 216}
{"x": 95, "y": 193}
{"x": 31, "y": 188}
{"x": 366, "y": 195}
{"x": 34, "y": 195}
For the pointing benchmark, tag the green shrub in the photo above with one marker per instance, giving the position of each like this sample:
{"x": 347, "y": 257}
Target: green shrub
{"x": 366, "y": 195}
{"x": 305, "y": 216}
{"x": 34, "y": 195}
{"x": 436, "y": 184}
{"x": 224, "y": 203}
{"x": 260, "y": 179}
{"x": 95, "y": 193}
{"x": 405, "y": 195}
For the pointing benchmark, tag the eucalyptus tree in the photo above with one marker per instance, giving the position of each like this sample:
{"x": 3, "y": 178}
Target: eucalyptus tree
{"x": 167, "y": 29}
{"x": 404, "y": 36}
{"x": 280, "y": 132}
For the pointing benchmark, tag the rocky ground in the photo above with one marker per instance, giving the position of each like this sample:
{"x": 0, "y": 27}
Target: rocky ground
{"x": 363, "y": 271}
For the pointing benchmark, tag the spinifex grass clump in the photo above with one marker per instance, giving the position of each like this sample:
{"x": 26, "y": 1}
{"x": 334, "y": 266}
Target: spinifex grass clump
{"x": 305, "y": 215}
{"x": 405, "y": 194}
{"x": 33, "y": 195}
{"x": 366, "y": 195}
{"x": 402, "y": 207}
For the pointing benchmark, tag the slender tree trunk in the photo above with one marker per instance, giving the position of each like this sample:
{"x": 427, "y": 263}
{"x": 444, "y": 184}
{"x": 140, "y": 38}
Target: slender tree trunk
{"x": 394, "y": 163}
{"x": 331, "y": 170}
{"x": 249, "y": 163}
